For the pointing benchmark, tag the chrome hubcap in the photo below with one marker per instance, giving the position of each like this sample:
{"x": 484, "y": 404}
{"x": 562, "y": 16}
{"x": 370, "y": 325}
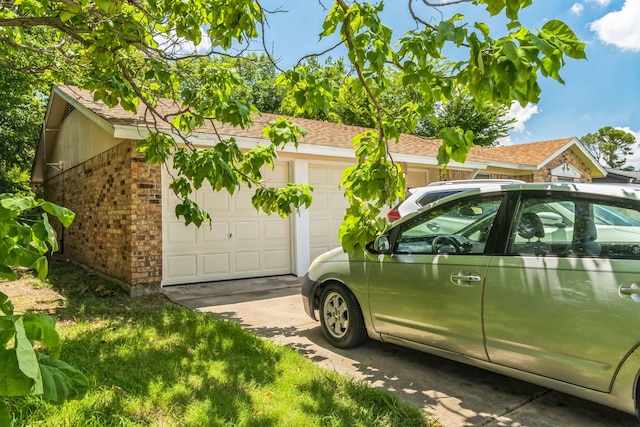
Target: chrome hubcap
{"x": 336, "y": 315}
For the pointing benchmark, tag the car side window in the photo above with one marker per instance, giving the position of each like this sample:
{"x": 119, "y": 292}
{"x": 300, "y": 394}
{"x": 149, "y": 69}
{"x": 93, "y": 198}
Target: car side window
{"x": 575, "y": 227}
{"x": 460, "y": 227}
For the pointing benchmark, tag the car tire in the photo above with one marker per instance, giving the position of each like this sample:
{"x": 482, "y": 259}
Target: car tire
{"x": 341, "y": 317}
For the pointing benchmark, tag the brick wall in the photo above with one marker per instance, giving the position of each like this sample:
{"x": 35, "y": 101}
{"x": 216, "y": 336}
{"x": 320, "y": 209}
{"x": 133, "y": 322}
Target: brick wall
{"x": 544, "y": 174}
{"x": 452, "y": 175}
{"x": 118, "y": 226}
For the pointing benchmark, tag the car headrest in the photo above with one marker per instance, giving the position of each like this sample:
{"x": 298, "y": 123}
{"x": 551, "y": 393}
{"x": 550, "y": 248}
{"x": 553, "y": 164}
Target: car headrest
{"x": 530, "y": 226}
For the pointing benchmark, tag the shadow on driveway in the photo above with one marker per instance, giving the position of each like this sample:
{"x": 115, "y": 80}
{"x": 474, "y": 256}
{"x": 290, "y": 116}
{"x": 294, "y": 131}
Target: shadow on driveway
{"x": 453, "y": 393}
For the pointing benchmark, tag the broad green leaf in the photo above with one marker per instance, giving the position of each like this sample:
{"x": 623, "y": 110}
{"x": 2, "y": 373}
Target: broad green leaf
{"x": 27, "y": 357}
{"x": 5, "y": 304}
{"x": 63, "y": 214}
{"x": 61, "y": 381}
{"x": 13, "y": 382}
{"x": 42, "y": 328}
{"x": 7, "y": 273}
{"x": 156, "y": 147}
{"x": 565, "y": 38}
{"x": 16, "y": 204}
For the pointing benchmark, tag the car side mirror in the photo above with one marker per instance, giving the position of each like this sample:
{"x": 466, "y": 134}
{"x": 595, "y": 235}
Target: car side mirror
{"x": 382, "y": 244}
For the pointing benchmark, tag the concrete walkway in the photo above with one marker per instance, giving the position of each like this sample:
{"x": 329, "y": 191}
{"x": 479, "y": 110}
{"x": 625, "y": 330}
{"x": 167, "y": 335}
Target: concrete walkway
{"x": 453, "y": 393}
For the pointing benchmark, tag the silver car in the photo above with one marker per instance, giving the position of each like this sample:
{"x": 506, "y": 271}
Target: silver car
{"x": 536, "y": 281}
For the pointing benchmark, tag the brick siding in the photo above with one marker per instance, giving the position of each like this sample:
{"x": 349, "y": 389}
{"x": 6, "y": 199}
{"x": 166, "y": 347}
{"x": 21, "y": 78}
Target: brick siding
{"x": 544, "y": 174}
{"x": 117, "y": 199}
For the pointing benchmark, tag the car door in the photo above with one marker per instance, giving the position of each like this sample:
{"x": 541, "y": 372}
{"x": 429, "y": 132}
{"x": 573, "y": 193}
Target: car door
{"x": 429, "y": 289}
{"x": 566, "y": 305}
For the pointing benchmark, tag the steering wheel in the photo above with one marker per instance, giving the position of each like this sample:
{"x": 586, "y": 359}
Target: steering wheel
{"x": 445, "y": 242}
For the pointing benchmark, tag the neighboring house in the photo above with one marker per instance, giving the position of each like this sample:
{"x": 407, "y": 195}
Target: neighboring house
{"x": 617, "y": 176}
{"x": 125, "y": 224}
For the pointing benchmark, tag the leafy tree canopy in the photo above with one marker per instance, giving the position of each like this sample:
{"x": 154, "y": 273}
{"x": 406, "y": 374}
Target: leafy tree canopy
{"x": 131, "y": 53}
{"x": 22, "y": 106}
{"x": 610, "y": 146}
{"x": 488, "y": 125}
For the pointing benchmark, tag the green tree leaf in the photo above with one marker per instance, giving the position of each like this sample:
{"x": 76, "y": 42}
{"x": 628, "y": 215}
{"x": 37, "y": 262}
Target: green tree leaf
{"x": 61, "y": 381}
{"x": 27, "y": 357}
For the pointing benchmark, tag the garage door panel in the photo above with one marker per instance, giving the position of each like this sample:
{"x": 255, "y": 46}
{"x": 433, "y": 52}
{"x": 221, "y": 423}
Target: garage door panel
{"x": 218, "y": 232}
{"x": 246, "y": 231}
{"x": 248, "y": 261}
{"x": 241, "y": 202}
{"x": 179, "y": 234}
{"x": 318, "y": 174}
{"x": 276, "y": 260}
{"x": 170, "y": 201}
{"x": 275, "y": 231}
{"x": 327, "y": 210}
{"x": 338, "y": 203}
{"x": 241, "y": 243}
{"x": 216, "y": 264}
{"x": 181, "y": 266}
{"x": 214, "y": 202}
{"x": 320, "y": 204}
{"x": 319, "y": 229}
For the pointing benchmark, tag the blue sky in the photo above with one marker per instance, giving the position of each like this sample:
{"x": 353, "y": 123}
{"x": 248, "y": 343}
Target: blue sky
{"x": 603, "y": 90}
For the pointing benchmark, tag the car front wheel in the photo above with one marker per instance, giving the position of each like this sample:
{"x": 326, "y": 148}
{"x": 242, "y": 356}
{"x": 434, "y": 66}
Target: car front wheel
{"x": 341, "y": 317}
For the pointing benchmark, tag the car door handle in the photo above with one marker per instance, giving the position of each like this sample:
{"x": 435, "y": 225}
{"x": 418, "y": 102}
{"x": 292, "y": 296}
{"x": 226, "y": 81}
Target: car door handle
{"x": 632, "y": 290}
{"x": 465, "y": 279}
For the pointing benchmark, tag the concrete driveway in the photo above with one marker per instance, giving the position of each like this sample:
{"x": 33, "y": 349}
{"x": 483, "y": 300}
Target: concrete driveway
{"x": 452, "y": 393}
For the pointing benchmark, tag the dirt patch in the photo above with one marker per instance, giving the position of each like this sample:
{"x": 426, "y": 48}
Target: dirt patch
{"x": 27, "y": 294}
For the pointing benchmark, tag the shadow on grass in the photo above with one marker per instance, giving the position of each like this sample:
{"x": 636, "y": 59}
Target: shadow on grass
{"x": 151, "y": 362}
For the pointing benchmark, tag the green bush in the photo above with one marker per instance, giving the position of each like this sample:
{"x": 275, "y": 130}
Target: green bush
{"x": 29, "y": 343}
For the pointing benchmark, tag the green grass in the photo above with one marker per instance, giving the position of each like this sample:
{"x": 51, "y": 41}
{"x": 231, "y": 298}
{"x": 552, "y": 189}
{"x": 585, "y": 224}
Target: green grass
{"x": 153, "y": 363}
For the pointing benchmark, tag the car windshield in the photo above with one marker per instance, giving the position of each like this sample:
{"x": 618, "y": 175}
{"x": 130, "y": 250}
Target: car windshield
{"x": 465, "y": 224}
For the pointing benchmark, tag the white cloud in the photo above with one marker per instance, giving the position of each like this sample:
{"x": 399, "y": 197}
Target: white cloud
{"x": 577, "y": 9}
{"x": 522, "y": 115}
{"x": 602, "y": 3}
{"x": 620, "y": 28}
{"x": 178, "y": 46}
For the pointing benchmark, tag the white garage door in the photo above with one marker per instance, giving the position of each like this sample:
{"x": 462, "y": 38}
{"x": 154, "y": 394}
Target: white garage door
{"x": 241, "y": 243}
{"x": 327, "y": 210}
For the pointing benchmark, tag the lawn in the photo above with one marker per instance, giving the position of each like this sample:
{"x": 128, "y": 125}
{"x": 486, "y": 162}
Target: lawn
{"x": 151, "y": 362}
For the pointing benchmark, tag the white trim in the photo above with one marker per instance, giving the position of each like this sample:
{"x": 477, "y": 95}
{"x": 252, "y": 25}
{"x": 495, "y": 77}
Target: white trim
{"x": 103, "y": 123}
{"x": 575, "y": 142}
{"x": 566, "y": 170}
{"x": 301, "y": 224}
{"x": 559, "y": 151}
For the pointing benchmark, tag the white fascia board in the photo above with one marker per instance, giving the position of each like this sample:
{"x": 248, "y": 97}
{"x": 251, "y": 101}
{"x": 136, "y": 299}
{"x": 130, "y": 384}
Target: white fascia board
{"x": 103, "y": 123}
{"x": 514, "y": 166}
{"x": 207, "y": 139}
{"x": 432, "y": 161}
{"x": 559, "y": 151}
{"x": 587, "y": 155}
{"x": 129, "y": 132}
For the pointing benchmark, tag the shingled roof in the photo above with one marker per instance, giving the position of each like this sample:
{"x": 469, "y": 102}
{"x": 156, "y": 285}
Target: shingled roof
{"x": 318, "y": 132}
{"x": 535, "y": 153}
{"x": 330, "y": 135}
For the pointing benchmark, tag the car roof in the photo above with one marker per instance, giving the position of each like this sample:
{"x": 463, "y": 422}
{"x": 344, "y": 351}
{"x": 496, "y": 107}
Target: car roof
{"x": 442, "y": 186}
{"x": 619, "y": 191}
